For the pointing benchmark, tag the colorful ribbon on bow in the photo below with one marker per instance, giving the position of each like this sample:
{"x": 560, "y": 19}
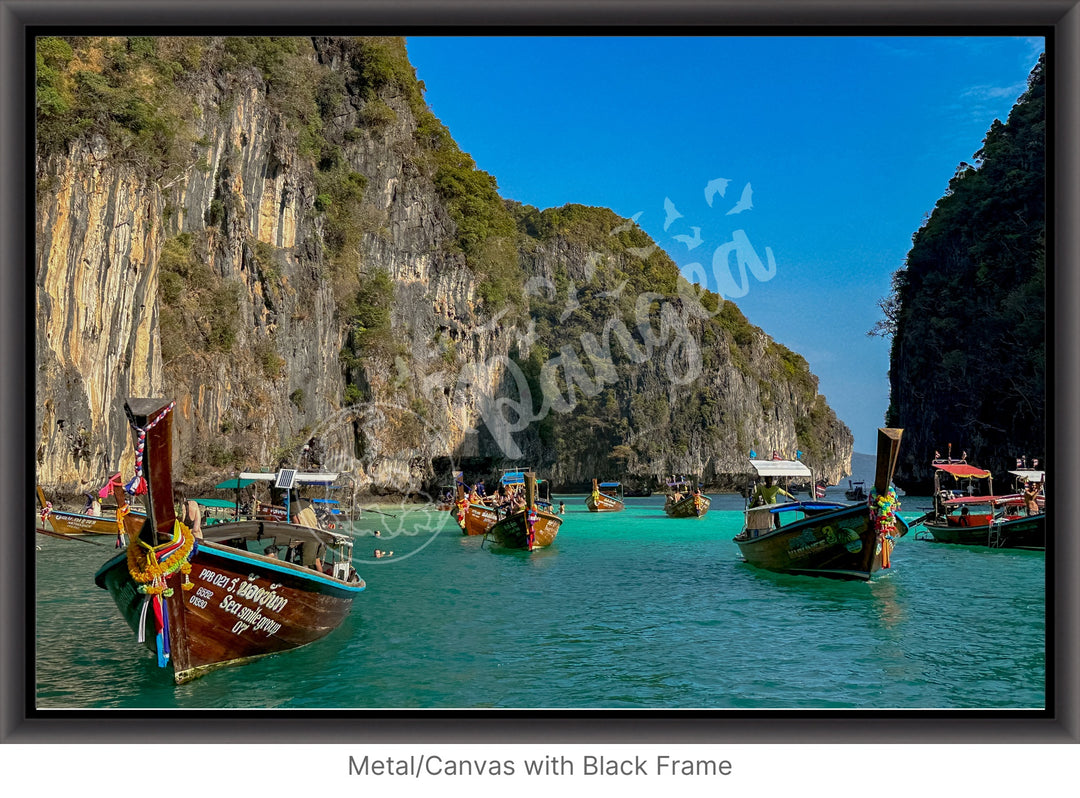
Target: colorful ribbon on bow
{"x": 137, "y": 485}
{"x": 530, "y": 521}
{"x": 150, "y": 567}
{"x": 883, "y": 516}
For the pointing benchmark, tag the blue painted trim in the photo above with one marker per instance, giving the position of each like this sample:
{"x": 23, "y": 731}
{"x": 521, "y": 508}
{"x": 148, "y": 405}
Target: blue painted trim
{"x": 308, "y": 574}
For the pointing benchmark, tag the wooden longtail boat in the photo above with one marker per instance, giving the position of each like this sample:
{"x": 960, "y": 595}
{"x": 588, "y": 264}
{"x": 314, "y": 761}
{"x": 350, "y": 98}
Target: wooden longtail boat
{"x": 826, "y": 538}
{"x": 228, "y": 597}
{"x": 856, "y": 491}
{"x": 530, "y": 528}
{"x": 473, "y": 516}
{"x": 685, "y": 500}
{"x": 606, "y": 497}
{"x": 66, "y": 522}
{"x": 997, "y": 522}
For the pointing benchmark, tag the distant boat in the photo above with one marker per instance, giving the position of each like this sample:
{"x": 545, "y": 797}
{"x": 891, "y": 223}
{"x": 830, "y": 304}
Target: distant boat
{"x": 245, "y": 589}
{"x": 606, "y": 497}
{"x": 531, "y": 527}
{"x": 67, "y": 522}
{"x": 856, "y": 491}
{"x": 472, "y": 512}
{"x": 685, "y": 500}
{"x": 830, "y": 539}
{"x": 986, "y": 519}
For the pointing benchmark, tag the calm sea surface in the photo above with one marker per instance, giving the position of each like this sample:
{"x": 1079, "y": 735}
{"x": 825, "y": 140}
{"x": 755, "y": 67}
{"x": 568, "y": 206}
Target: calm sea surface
{"x": 629, "y": 609}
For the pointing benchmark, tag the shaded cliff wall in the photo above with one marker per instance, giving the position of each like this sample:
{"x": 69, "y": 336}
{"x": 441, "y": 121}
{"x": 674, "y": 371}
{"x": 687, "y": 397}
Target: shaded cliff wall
{"x": 312, "y": 282}
{"x": 968, "y": 360}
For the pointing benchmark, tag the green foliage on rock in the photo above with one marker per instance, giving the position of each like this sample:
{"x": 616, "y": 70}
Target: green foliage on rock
{"x": 123, "y": 89}
{"x": 968, "y": 360}
{"x": 200, "y": 311}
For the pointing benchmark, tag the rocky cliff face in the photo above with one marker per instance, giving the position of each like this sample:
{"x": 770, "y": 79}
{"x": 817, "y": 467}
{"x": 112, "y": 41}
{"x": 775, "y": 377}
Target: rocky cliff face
{"x": 968, "y": 361}
{"x": 305, "y": 287}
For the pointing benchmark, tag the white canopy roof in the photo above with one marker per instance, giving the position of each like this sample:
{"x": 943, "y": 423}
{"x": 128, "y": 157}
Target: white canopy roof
{"x": 1037, "y": 476}
{"x": 287, "y": 477}
{"x": 780, "y": 468}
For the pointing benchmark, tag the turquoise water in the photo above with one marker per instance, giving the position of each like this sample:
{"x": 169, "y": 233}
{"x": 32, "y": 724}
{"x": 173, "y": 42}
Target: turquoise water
{"x": 626, "y": 610}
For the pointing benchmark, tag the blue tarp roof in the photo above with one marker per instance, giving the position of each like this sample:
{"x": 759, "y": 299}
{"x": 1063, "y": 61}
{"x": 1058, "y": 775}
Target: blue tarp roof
{"x": 781, "y": 508}
{"x": 609, "y": 484}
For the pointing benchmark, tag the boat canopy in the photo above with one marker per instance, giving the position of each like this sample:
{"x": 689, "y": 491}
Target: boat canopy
{"x": 959, "y": 500}
{"x": 286, "y": 477}
{"x": 1030, "y": 476}
{"x": 810, "y": 506}
{"x": 609, "y": 484}
{"x": 962, "y": 470}
{"x": 515, "y": 478}
{"x": 780, "y": 468}
{"x": 234, "y": 484}
{"x": 216, "y": 503}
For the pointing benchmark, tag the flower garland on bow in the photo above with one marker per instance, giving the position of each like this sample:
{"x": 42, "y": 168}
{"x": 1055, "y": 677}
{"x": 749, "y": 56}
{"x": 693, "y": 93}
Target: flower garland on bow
{"x": 883, "y": 515}
{"x": 596, "y": 496}
{"x": 121, "y": 511}
{"x": 150, "y": 566}
{"x": 530, "y": 521}
{"x": 46, "y": 511}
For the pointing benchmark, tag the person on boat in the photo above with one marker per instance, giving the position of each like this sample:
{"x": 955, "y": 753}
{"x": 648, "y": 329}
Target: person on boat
{"x": 1031, "y": 498}
{"x": 93, "y": 506}
{"x": 767, "y": 492}
{"x": 965, "y": 516}
{"x": 193, "y": 517}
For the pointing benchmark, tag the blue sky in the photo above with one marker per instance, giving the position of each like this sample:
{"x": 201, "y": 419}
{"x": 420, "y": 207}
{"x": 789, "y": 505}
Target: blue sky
{"x": 846, "y": 142}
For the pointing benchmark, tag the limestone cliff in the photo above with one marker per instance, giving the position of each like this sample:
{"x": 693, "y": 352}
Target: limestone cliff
{"x": 279, "y": 235}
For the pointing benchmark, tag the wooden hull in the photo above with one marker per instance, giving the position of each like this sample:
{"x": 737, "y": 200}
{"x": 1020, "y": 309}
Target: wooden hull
{"x": 479, "y": 518}
{"x": 687, "y": 507}
{"x": 64, "y": 522}
{"x": 603, "y": 504}
{"x": 242, "y": 606}
{"x": 842, "y": 544}
{"x": 1026, "y": 532}
{"x": 512, "y": 532}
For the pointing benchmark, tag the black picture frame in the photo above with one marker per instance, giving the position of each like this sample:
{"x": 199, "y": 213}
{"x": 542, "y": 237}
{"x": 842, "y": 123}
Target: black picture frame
{"x": 20, "y": 722}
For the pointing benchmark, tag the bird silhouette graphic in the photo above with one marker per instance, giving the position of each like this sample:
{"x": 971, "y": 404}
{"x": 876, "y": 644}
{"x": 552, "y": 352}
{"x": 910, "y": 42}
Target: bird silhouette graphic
{"x": 744, "y": 203}
{"x": 714, "y": 187}
{"x": 642, "y": 252}
{"x": 672, "y": 214}
{"x": 629, "y": 224}
{"x": 572, "y": 303}
{"x": 691, "y": 241}
{"x": 614, "y": 293}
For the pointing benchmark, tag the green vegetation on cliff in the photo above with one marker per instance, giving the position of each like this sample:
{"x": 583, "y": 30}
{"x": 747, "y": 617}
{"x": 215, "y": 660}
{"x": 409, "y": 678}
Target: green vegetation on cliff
{"x": 968, "y": 311}
{"x": 628, "y": 367}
